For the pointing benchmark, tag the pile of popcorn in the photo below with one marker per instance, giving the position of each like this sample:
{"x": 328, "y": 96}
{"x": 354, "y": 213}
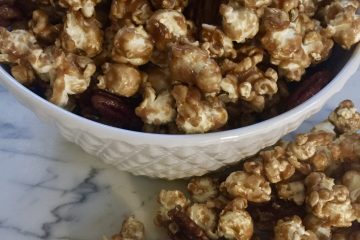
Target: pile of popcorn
{"x": 190, "y": 77}
{"x": 306, "y": 189}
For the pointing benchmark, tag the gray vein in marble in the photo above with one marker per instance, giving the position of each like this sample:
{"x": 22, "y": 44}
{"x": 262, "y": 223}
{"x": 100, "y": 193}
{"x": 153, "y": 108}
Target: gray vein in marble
{"x": 83, "y": 190}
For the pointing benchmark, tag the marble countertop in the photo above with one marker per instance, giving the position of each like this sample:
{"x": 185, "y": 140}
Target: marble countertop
{"x": 51, "y": 189}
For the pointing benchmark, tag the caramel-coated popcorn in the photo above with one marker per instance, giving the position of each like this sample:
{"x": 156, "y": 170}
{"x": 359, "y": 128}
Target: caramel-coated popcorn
{"x": 166, "y": 27}
{"x": 292, "y": 228}
{"x": 120, "y": 79}
{"x": 203, "y": 189}
{"x": 345, "y": 117}
{"x": 156, "y": 109}
{"x": 328, "y": 201}
{"x": 137, "y": 11}
{"x": 343, "y": 21}
{"x": 235, "y": 224}
{"x": 16, "y": 45}
{"x": 178, "y": 5}
{"x": 82, "y": 35}
{"x": 216, "y": 43}
{"x": 203, "y": 216}
{"x": 192, "y": 65}
{"x": 87, "y": 7}
{"x": 131, "y": 229}
{"x": 294, "y": 191}
{"x": 239, "y": 23}
{"x": 252, "y": 187}
{"x": 42, "y": 28}
{"x": 67, "y": 73}
{"x": 132, "y": 45}
{"x": 197, "y": 115}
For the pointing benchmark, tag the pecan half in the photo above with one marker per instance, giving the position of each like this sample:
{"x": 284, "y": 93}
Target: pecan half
{"x": 308, "y": 88}
{"x": 187, "y": 228}
{"x": 110, "y": 109}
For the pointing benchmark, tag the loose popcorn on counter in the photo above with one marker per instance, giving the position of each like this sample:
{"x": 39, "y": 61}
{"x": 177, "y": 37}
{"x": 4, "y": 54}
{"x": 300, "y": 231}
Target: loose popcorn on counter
{"x": 268, "y": 197}
{"x": 131, "y": 229}
{"x": 292, "y": 228}
{"x": 186, "y": 66}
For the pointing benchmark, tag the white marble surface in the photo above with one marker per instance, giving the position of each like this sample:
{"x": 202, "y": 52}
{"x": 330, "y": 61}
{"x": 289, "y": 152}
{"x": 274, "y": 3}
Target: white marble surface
{"x": 51, "y": 189}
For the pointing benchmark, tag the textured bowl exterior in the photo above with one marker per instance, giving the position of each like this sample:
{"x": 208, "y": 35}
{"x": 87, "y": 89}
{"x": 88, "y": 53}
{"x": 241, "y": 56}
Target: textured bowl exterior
{"x": 174, "y": 156}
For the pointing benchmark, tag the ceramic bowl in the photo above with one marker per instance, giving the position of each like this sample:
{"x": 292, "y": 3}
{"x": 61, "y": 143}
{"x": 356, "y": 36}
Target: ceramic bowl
{"x": 177, "y": 156}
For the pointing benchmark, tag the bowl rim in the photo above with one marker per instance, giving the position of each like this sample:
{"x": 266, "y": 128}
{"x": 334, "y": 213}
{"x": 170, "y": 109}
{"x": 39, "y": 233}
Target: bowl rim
{"x": 180, "y": 140}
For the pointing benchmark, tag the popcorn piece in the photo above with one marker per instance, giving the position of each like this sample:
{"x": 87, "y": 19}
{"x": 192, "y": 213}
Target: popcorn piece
{"x": 283, "y": 42}
{"x": 294, "y": 191}
{"x": 235, "y": 223}
{"x": 292, "y": 228}
{"x": 159, "y": 78}
{"x": 351, "y": 180}
{"x": 131, "y": 229}
{"x": 239, "y": 23}
{"x": 81, "y": 35}
{"x": 132, "y": 45}
{"x": 120, "y": 79}
{"x": 16, "y": 45}
{"x": 203, "y": 189}
{"x": 166, "y": 27}
{"x": 255, "y": 166}
{"x": 329, "y": 202}
{"x": 216, "y": 43}
{"x": 178, "y": 5}
{"x": 197, "y": 115}
{"x": 252, "y": 187}
{"x": 318, "y": 226}
{"x": 42, "y": 28}
{"x": 192, "y": 65}
{"x": 156, "y": 109}
{"x": 87, "y": 7}
{"x": 346, "y": 148}
{"x": 68, "y": 74}
{"x": 305, "y": 148}
{"x": 23, "y": 74}
{"x": 204, "y": 217}
{"x": 246, "y": 81}
{"x": 139, "y": 11}
{"x": 252, "y": 86}
{"x": 170, "y": 200}
{"x": 286, "y": 5}
{"x": 294, "y": 45}
{"x": 276, "y": 166}
{"x": 343, "y": 22}
{"x": 255, "y": 4}
{"x": 345, "y": 117}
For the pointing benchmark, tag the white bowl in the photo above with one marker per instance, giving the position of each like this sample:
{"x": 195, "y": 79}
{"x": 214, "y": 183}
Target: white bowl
{"x": 175, "y": 156}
